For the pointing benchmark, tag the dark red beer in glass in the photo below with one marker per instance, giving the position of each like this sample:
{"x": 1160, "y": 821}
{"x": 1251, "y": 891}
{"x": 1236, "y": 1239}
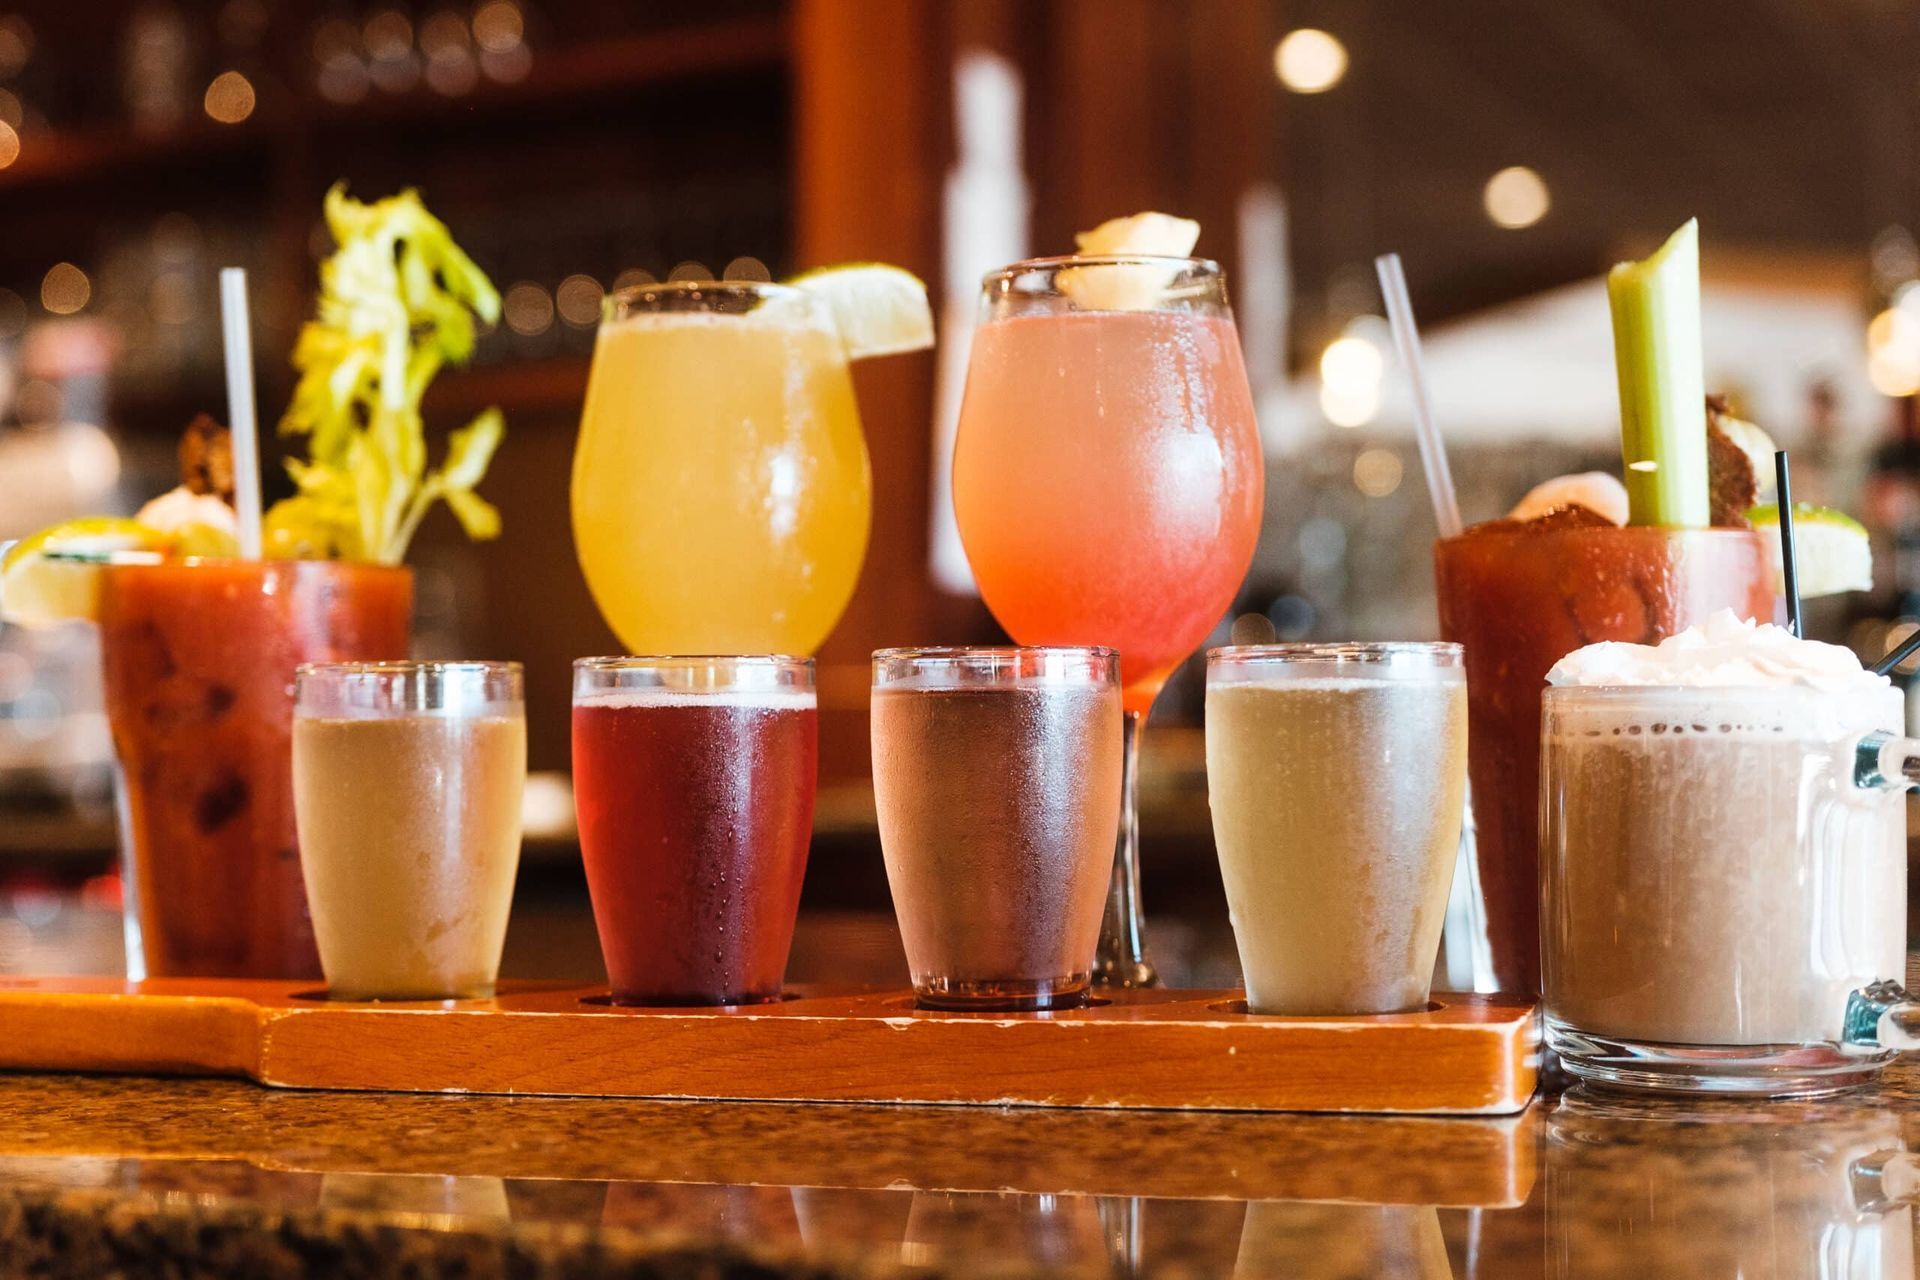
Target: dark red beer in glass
{"x": 693, "y": 782}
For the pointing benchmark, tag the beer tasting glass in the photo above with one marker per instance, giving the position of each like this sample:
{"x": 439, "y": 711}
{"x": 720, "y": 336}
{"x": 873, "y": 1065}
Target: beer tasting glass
{"x": 1107, "y": 484}
{"x": 407, "y": 782}
{"x": 721, "y": 493}
{"x": 996, "y": 774}
{"x": 1336, "y": 774}
{"x": 694, "y": 785}
{"x": 1724, "y": 885}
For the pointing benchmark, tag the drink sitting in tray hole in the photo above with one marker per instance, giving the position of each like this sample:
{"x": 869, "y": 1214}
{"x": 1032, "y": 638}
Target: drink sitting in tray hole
{"x": 1336, "y": 775}
{"x": 996, "y": 776}
{"x": 407, "y": 781}
{"x": 694, "y": 785}
{"x": 1724, "y": 861}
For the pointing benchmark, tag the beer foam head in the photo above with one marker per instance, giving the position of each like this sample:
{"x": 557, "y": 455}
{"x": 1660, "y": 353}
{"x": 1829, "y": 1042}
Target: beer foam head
{"x": 660, "y": 696}
{"x": 1723, "y": 652}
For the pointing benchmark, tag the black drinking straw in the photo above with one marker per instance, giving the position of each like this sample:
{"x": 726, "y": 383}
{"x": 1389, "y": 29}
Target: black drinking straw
{"x": 1788, "y": 562}
{"x": 1907, "y": 649}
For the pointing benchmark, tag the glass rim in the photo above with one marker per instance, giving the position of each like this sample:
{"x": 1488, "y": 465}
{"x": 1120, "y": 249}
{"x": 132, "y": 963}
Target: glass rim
{"x": 1058, "y": 262}
{"x": 404, "y": 667}
{"x": 657, "y": 661}
{"x": 1357, "y": 651}
{"x": 683, "y": 288}
{"x": 954, "y": 652}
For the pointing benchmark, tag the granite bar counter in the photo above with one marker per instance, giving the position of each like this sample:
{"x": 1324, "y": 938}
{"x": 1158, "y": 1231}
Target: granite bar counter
{"x": 103, "y": 1176}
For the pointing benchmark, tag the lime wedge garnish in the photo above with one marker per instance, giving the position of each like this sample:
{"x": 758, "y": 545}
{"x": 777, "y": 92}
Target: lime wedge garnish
{"x": 54, "y": 575}
{"x": 1831, "y": 549}
{"x": 879, "y": 310}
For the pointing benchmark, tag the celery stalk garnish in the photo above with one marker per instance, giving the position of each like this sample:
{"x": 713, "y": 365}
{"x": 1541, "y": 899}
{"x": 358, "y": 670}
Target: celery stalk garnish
{"x": 397, "y": 300}
{"x": 1656, "y": 344}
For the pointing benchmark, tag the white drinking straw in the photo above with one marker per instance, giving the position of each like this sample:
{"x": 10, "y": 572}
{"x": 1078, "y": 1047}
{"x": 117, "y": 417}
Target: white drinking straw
{"x": 1466, "y": 946}
{"x": 1406, "y": 338}
{"x": 244, "y": 427}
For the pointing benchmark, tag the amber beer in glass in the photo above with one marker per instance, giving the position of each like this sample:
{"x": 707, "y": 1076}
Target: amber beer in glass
{"x": 199, "y": 660}
{"x": 694, "y": 784}
{"x": 1520, "y": 596}
{"x": 996, "y": 777}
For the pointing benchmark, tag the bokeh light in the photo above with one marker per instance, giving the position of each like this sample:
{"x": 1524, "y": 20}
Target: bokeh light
{"x": 229, "y": 98}
{"x": 1516, "y": 197}
{"x": 528, "y": 309}
{"x": 1377, "y": 472}
{"x": 578, "y": 301}
{"x": 747, "y": 271}
{"x": 1309, "y": 60}
{"x": 65, "y": 289}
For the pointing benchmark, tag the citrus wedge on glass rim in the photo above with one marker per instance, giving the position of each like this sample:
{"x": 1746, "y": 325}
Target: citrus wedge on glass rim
{"x": 1831, "y": 550}
{"x": 879, "y": 310}
{"x": 54, "y": 576}
{"x": 1133, "y": 286}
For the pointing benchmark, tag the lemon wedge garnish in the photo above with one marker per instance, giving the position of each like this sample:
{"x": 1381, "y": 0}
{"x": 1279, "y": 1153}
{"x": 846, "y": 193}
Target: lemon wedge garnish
{"x": 1831, "y": 550}
{"x": 879, "y": 310}
{"x": 1159, "y": 234}
{"x": 40, "y": 585}
{"x": 1128, "y": 286}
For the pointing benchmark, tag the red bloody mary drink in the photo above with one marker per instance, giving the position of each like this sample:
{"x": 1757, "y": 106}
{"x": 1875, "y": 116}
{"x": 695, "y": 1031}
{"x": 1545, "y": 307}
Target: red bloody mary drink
{"x": 1521, "y": 595}
{"x": 694, "y": 785}
{"x": 199, "y": 660}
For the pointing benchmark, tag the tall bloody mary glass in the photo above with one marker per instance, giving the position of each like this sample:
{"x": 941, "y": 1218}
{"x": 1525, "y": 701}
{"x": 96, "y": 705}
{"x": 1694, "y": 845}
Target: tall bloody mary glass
{"x": 199, "y": 660}
{"x": 1522, "y": 596}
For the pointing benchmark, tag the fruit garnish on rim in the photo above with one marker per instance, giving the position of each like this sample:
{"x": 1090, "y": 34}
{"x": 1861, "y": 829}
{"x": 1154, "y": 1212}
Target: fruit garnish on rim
{"x": 1128, "y": 286}
{"x": 879, "y": 310}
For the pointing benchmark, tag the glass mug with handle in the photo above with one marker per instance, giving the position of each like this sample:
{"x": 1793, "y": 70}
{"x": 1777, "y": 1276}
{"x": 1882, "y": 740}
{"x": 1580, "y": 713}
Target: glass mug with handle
{"x": 1724, "y": 885}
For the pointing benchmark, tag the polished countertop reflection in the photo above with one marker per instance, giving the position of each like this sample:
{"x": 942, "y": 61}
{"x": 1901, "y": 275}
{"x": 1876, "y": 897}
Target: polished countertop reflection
{"x": 105, "y": 1175}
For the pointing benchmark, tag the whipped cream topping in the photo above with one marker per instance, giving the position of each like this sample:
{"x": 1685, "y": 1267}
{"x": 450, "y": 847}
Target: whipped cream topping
{"x": 1725, "y": 651}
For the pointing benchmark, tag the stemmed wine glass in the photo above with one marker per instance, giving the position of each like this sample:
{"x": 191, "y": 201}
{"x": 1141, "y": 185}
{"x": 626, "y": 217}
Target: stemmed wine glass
{"x": 1107, "y": 482}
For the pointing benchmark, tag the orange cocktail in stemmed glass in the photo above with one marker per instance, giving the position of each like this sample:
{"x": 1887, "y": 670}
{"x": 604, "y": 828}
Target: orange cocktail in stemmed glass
{"x": 1107, "y": 481}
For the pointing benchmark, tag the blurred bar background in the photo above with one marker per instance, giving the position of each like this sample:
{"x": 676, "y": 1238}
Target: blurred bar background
{"x": 1509, "y": 151}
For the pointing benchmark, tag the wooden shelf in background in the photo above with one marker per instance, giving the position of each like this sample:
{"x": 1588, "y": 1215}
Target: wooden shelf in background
{"x": 50, "y": 157}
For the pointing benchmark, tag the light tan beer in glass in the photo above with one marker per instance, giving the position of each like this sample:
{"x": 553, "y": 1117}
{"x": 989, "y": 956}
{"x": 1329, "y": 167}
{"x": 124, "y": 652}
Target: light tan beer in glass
{"x": 407, "y": 782}
{"x": 1336, "y": 775}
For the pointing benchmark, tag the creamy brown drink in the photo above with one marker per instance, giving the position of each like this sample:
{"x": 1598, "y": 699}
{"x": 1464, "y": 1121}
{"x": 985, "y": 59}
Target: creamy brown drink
{"x": 1713, "y": 874}
{"x": 409, "y": 816}
{"x": 1336, "y": 775}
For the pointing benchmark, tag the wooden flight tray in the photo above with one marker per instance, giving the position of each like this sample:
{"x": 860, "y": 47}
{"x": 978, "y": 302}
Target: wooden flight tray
{"x": 1162, "y": 1049}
